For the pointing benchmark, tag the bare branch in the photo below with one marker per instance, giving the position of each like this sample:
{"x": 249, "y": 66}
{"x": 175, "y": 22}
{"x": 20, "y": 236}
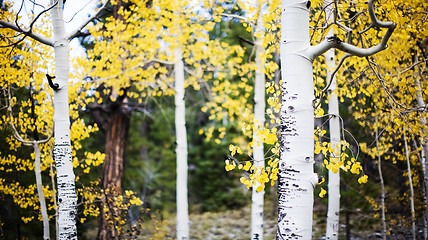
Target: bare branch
{"x": 29, "y": 32}
{"x": 410, "y": 67}
{"x": 342, "y": 60}
{"x": 334, "y": 42}
{"x": 237, "y": 17}
{"x": 76, "y": 32}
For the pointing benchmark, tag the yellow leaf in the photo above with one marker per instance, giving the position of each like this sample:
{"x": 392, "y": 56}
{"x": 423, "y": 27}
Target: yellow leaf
{"x": 322, "y": 193}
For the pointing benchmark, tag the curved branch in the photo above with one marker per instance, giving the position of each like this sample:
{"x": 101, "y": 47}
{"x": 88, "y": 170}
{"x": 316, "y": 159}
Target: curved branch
{"x": 334, "y": 42}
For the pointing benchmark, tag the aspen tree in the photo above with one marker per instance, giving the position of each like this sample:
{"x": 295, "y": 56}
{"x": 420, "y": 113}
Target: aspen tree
{"x": 412, "y": 196}
{"x": 333, "y": 210}
{"x": 160, "y": 43}
{"x": 296, "y": 177}
{"x": 62, "y": 149}
{"x": 261, "y": 26}
{"x": 257, "y": 197}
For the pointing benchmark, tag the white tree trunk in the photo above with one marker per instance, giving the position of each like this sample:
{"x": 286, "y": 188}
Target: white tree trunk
{"x": 67, "y": 199}
{"x": 382, "y": 184}
{"x": 257, "y": 198}
{"x": 332, "y": 228}
{"x": 39, "y": 184}
{"x": 181, "y": 151}
{"x": 421, "y": 104}
{"x": 296, "y": 175}
{"x": 412, "y": 197}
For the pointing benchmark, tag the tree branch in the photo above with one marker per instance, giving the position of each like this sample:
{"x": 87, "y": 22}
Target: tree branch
{"x": 15, "y": 131}
{"x": 334, "y": 42}
{"x": 29, "y": 33}
{"x": 236, "y": 16}
{"x": 77, "y": 32}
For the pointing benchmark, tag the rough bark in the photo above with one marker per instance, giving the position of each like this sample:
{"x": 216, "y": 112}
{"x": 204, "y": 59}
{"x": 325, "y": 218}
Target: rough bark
{"x": 116, "y": 140}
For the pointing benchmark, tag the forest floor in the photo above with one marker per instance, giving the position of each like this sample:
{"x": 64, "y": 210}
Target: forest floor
{"x": 225, "y": 225}
{"x": 235, "y": 225}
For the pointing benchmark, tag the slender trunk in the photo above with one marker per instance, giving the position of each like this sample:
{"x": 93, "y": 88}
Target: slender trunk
{"x": 67, "y": 199}
{"x": 425, "y": 189}
{"x": 257, "y": 198}
{"x": 332, "y": 228}
{"x": 40, "y": 192}
{"x": 116, "y": 139}
{"x": 296, "y": 174}
{"x": 409, "y": 173}
{"x": 421, "y": 104}
{"x": 181, "y": 150}
{"x": 382, "y": 185}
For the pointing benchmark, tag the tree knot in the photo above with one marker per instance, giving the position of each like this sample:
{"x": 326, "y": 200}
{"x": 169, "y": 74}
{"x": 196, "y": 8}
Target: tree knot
{"x": 334, "y": 39}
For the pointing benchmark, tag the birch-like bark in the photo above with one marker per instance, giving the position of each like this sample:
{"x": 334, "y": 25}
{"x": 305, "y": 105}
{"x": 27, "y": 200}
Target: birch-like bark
{"x": 54, "y": 199}
{"x": 40, "y": 192}
{"x": 332, "y": 228}
{"x": 37, "y": 165}
{"x": 296, "y": 175}
{"x": 421, "y": 104}
{"x": 382, "y": 185}
{"x": 181, "y": 150}
{"x": 412, "y": 199}
{"x": 257, "y": 198}
{"x": 67, "y": 198}
{"x": 333, "y": 210}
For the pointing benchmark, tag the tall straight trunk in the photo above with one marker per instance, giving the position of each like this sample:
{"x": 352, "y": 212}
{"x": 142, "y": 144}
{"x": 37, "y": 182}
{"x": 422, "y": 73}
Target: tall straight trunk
{"x": 40, "y": 192}
{"x": 181, "y": 150}
{"x": 421, "y": 104}
{"x": 382, "y": 185}
{"x": 257, "y": 198}
{"x": 67, "y": 198}
{"x": 116, "y": 139}
{"x": 332, "y": 228}
{"x": 296, "y": 175}
{"x": 412, "y": 197}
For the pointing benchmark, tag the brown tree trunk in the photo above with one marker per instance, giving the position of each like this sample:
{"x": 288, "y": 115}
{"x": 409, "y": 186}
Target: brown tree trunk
{"x": 116, "y": 139}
